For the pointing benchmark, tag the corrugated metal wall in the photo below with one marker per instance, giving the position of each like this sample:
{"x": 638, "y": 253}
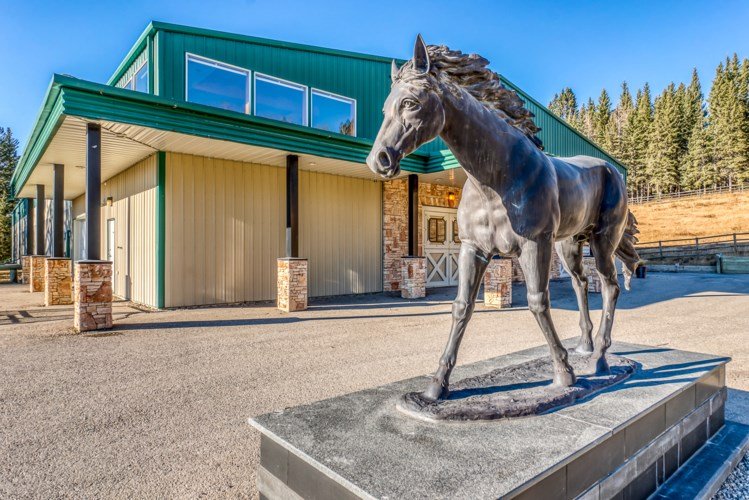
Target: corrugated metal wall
{"x": 133, "y": 68}
{"x": 225, "y": 228}
{"x": 340, "y": 231}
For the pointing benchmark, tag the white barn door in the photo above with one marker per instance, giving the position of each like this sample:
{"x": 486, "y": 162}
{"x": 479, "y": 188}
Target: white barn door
{"x": 441, "y": 246}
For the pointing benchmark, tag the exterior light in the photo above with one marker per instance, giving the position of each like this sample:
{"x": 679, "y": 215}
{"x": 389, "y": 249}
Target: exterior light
{"x": 109, "y": 201}
{"x": 451, "y": 199}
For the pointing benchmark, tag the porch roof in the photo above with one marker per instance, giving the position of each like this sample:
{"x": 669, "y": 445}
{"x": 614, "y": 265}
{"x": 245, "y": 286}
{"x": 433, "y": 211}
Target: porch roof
{"x": 134, "y": 125}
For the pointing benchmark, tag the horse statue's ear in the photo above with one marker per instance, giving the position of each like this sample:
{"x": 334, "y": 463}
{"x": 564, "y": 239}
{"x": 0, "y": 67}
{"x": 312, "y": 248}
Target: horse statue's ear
{"x": 393, "y": 70}
{"x": 421, "y": 56}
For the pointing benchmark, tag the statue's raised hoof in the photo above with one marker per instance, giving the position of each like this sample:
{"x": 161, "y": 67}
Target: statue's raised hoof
{"x": 435, "y": 392}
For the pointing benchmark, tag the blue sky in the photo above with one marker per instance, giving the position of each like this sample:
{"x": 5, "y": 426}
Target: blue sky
{"x": 541, "y": 46}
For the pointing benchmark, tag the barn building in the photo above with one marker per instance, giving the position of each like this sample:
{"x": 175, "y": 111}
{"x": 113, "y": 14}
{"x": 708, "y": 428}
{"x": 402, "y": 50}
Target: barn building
{"x": 207, "y": 156}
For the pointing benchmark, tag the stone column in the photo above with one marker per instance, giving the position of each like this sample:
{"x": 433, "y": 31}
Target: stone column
{"x": 498, "y": 284}
{"x": 25, "y": 269}
{"x": 36, "y": 273}
{"x": 594, "y": 281}
{"x": 413, "y": 277}
{"x": 292, "y": 284}
{"x": 57, "y": 281}
{"x": 92, "y": 295}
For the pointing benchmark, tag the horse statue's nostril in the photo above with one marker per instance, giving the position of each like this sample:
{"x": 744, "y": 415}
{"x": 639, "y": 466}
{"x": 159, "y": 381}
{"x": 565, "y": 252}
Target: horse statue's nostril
{"x": 383, "y": 159}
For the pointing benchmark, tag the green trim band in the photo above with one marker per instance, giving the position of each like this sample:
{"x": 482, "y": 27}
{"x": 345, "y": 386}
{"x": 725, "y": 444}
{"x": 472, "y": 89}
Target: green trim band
{"x": 161, "y": 230}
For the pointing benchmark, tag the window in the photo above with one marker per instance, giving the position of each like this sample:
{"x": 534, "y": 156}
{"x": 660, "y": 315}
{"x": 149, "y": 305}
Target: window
{"x": 333, "y": 112}
{"x": 280, "y": 100}
{"x": 139, "y": 81}
{"x": 217, "y": 84}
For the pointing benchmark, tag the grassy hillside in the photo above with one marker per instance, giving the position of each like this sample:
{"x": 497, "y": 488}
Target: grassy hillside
{"x": 701, "y": 216}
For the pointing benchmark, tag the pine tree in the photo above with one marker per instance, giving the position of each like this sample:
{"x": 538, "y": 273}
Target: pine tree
{"x": 564, "y": 105}
{"x": 602, "y": 115}
{"x": 617, "y": 131}
{"x": 638, "y": 140}
{"x": 8, "y": 160}
{"x": 700, "y": 171}
{"x": 664, "y": 152}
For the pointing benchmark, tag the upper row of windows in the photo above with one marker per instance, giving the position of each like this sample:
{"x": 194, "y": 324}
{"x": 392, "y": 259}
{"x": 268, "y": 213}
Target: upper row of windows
{"x": 224, "y": 86}
{"x": 139, "y": 80}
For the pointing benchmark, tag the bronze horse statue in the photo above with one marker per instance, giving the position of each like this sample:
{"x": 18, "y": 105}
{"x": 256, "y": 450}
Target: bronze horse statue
{"x": 517, "y": 200}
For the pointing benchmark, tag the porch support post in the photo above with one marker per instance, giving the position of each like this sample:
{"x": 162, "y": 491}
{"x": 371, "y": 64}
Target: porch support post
{"x": 93, "y": 191}
{"x": 413, "y": 215}
{"x": 292, "y": 206}
{"x": 40, "y": 220}
{"x": 92, "y": 278}
{"x": 28, "y": 249}
{"x": 58, "y": 209}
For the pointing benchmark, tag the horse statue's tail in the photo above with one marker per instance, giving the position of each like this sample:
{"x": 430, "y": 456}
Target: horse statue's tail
{"x": 626, "y": 250}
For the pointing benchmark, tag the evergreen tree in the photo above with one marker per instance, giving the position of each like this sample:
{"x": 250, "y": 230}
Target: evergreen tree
{"x": 8, "y": 160}
{"x": 638, "y": 141}
{"x": 602, "y": 115}
{"x": 564, "y": 105}
{"x": 664, "y": 152}
{"x": 700, "y": 171}
{"x": 616, "y": 134}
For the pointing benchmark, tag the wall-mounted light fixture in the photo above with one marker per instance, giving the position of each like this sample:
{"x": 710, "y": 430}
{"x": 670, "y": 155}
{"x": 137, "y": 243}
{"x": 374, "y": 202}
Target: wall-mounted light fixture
{"x": 451, "y": 199}
{"x": 109, "y": 201}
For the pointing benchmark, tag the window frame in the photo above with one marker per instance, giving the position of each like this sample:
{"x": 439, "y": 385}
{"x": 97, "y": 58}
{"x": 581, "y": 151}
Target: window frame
{"x": 337, "y": 97}
{"x": 284, "y": 83}
{"x": 207, "y": 61}
{"x": 135, "y": 73}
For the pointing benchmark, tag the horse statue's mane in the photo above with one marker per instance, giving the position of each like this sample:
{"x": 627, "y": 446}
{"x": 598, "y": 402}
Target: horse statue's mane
{"x": 470, "y": 72}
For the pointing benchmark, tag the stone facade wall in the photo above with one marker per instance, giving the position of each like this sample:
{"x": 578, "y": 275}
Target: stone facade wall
{"x": 556, "y": 268}
{"x": 25, "y": 269}
{"x": 594, "y": 281}
{"x": 292, "y": 284}
{"x": 92, "y": 295}
{"x": 36, "y": 273}
{"x": 58, "y": 281}
{"x": 498, "y": 284}
{"x": 413, "y": 277}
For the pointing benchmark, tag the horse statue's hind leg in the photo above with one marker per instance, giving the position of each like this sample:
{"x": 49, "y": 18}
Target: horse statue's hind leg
{"x": 571, "y": 253}
{"x": 603, "y": 250}
{"x": 535, "y": 259}
{"x": 471, "y": 267}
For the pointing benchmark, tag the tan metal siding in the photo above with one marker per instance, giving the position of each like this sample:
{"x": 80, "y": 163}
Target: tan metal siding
{"x": 224, "y": 230}
{"x": 340, "y": 232}
{"x": 133, "y": 193}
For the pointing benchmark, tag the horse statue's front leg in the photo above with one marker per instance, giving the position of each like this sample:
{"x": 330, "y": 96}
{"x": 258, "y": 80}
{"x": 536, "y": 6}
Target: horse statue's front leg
{"x": 471, "y": 267}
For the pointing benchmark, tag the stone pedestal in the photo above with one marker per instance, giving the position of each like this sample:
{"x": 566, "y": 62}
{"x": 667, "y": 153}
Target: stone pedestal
{"x": 58, "y": 281}
{"x": 594, "y": 281}
{"x": 618, "y": 443}
{"x": 92, "y": 295}
{"x": 36, "y": 273}
{"x": 498, "y": 284}
{"x": 292, "y": 284}
{"x": 25, "y": 269}
{"x": 413, "y": 277}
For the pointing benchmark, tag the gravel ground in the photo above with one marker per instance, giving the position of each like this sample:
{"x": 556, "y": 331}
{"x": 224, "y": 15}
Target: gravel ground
{"x": 736, "y": 486}
{"x": 158, "y": 406}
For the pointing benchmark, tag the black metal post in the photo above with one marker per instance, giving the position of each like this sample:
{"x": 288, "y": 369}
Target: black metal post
{"x": 40, "y": 221}
{"x": 93, "y": 191}
{"x": 58, "y": 210}
{"x": 292, "y": 206}
{"x": 413, "y": 215}
{"x": 29, "y": 226}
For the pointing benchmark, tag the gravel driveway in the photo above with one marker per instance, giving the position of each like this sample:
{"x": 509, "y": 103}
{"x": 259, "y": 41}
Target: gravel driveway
{"x": 158, "y": 406}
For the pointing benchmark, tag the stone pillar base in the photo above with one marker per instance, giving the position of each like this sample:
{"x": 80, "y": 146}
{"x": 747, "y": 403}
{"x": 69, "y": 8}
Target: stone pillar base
{"x": 413, "y": 277}
{"x": 292, "y": 284}
{"x": 25, "y": 269}
{"x": 36, "y": 273}
{"x": 58, "y": 281}
{"x": 92, "y": 295}
{"x": 498, "y": 284}
{"x": 594, "y": 281}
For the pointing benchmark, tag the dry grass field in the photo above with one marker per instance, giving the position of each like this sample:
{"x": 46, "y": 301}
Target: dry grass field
{"x": 691, "y": 217}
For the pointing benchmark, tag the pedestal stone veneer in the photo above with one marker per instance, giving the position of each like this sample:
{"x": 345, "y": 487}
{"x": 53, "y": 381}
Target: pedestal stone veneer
{"x": 36, "y": 273}
{"x": 58, "y": 281}
{"x": 292, "y": 284}
{"x": 498, "y": 284}
{"x": 92, "y": 295}
{"x": 25, "y": 269}
{"x": 413, "y": 277}
{"x": 594, "y": 281}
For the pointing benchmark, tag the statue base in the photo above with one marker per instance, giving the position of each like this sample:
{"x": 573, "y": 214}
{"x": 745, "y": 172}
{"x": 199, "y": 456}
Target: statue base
{"x": 627, "y": 438}
{"x": 516, "y": 391}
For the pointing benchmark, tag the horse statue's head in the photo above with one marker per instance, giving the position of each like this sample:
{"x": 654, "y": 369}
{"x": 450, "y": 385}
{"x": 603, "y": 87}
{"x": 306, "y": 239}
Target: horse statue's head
{"x": 413, "y": 114}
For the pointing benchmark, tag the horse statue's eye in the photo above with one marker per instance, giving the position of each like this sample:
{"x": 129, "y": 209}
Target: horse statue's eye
{"x": 409, "y": 104}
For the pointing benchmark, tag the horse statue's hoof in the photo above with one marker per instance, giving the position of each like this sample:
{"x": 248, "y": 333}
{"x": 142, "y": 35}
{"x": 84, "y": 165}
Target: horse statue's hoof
{"x": 566, "y": 379}
{"x": 599, "y": 366}
{"x": 435, "y": 392}
{"x": 584, "y": 347}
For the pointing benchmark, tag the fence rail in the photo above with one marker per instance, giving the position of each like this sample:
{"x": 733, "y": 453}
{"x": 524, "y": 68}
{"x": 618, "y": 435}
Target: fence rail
{"x": 695, "y": 247}
{"x": 638, "y": 200}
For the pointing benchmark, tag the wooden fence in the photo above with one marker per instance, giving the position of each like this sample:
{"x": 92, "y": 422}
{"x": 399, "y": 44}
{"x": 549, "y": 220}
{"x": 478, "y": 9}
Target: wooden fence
{"x": 734, "y": 243}
{"x": 637, "y": 200}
